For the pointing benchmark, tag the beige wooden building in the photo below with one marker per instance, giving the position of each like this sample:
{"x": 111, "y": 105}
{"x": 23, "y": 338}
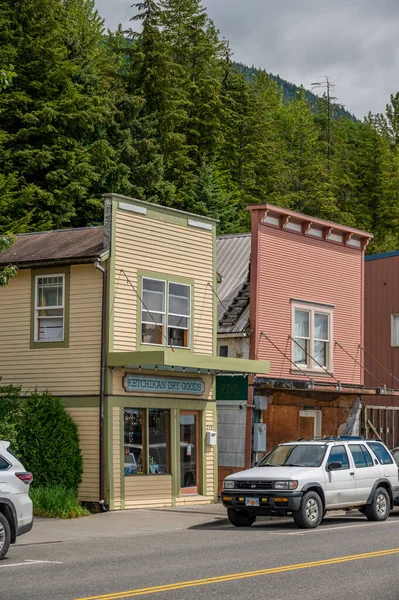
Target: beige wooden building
{"x": 120, "y": 322}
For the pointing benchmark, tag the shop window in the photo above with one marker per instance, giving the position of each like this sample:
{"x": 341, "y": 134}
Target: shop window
{"x": 146, "y": 441}
{"x": 49, "y": 308}
{"x": 312, "y": 333}
{"x": 165, "y": 317}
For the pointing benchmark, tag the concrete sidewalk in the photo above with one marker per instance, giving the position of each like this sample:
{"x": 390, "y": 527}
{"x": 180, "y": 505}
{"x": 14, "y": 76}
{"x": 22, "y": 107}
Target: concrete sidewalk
{"x": 122, "y": 523}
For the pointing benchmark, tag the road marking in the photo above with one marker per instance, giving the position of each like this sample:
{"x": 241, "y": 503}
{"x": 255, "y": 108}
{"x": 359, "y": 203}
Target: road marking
{"x": 235, "y": 576}
{"x": 28, "y": 563}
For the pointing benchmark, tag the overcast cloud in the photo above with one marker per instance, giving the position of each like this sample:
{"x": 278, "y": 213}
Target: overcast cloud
{"x": 354, "y": 42}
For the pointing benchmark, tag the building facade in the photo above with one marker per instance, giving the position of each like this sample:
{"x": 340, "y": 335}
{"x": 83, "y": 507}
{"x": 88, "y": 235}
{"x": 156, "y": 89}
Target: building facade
{"x": 297, "y": 297}
{"x": 381, "y": 346}
{"x": 120, "y": 322}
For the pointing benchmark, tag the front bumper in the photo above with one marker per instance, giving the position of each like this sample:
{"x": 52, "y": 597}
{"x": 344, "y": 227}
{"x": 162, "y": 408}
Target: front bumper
{"x": 270, "y": 502}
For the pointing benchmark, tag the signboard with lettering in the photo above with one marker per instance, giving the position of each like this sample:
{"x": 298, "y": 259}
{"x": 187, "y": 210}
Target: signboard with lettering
{"x": 232, "y": 387}
{"x": 152, "y": 384}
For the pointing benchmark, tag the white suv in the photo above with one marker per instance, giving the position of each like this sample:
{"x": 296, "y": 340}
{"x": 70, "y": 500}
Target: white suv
{"x": 306, "y": 478}
{"x": 16, "y": 514}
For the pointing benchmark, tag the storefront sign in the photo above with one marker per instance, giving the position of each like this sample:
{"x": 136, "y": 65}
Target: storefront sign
{"x": 163, "y": 385}
{"x": 232, "y": 387}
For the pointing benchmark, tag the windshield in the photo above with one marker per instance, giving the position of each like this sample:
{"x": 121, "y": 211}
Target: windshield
{"x": 298, "y": 455}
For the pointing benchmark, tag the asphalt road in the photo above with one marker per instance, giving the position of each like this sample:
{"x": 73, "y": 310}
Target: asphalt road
{"x": 346, "y": 557}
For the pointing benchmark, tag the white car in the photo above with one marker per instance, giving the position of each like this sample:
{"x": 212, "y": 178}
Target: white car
{"x": 306, "y": 478}
{"x": 16, "y": 511}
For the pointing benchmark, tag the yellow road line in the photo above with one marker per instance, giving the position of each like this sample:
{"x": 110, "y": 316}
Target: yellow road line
{"x": 235, "y": 576}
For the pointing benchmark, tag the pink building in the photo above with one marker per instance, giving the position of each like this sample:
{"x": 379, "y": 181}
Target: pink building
{"x": 306, "y": 317}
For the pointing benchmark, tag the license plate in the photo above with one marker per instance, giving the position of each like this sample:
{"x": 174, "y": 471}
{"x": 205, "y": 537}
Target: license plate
{"x": 251, "y": 501}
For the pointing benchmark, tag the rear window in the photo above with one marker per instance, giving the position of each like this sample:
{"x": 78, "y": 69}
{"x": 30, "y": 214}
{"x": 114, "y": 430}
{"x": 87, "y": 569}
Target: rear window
{"x": 381, "y": 453}
{"x": 3, "y": 464}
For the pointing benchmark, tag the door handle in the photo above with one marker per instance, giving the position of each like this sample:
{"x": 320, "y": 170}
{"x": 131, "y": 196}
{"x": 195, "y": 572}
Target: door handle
{"x": 351, "y": 473}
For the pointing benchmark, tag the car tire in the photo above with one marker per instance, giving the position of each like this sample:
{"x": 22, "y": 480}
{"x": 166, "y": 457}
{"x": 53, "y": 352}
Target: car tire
{"x": 240, "y": 518}
{"x": 5, "y": 535}
{"x": 310, "y": 512}
{"x": 379, "y": 508}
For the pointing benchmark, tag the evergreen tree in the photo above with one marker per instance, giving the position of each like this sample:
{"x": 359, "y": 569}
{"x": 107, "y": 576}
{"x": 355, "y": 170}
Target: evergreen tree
{"x": 55, "y": 111}
{"x": 209, "y": 197}
{"x": 160, "y": 81}
{"x": 195, "y": 46}
{"x": 138, "y": 168}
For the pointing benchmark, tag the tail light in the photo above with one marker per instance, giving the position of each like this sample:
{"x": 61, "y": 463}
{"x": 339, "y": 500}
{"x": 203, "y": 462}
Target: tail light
{"x": 25, "y": 477}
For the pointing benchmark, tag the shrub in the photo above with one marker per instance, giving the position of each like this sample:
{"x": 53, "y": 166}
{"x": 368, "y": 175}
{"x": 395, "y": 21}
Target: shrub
{"x": 56, "y": 502}
{"x": 10, "y": 414}
{"x": 48, "y": 443}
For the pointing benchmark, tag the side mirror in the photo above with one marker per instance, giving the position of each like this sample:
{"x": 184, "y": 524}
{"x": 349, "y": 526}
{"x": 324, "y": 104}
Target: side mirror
{"x": 334, "y": 466}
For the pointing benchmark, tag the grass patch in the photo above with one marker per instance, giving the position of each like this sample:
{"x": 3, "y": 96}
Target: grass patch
{"x": 56, "y": 502}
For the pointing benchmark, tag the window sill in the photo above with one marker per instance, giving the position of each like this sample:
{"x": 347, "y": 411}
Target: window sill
{"x": 318, "y": 372}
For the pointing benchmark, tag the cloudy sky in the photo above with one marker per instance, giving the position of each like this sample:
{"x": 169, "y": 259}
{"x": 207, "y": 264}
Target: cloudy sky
{"x": 354, "y": 42}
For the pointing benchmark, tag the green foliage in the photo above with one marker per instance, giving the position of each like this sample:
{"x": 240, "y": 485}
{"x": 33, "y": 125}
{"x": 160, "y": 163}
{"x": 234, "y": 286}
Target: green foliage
{"x": 10, "y": 414}
{"x": 161, "y": 113}
{"x": 56, "y": 502}
{"x": 48, "y": 442}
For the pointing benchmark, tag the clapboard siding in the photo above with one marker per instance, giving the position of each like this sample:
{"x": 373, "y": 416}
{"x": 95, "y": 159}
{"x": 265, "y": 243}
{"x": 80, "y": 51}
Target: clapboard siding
{"x": 294, "y": 266}
{"x": 145, "y": 491}
{"x": 147, "y": 244}
{"x": 65, "y": 371}
{"x": 116, "y": 453}
{"x": 87, "y": 420}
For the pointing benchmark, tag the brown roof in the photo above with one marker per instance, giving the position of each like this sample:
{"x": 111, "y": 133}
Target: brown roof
{"x": 66, "y": 246}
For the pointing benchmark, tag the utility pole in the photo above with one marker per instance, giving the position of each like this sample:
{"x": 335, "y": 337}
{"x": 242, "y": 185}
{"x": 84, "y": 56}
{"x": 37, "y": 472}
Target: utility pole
{"x": 327, "y": 85}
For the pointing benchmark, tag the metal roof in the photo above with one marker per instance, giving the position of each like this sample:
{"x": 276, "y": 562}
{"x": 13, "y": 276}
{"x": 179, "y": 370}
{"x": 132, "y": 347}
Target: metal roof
{"x": 233, "y": 253}
{"x": 65, "y": 246}
{"x": 382, "y": 255}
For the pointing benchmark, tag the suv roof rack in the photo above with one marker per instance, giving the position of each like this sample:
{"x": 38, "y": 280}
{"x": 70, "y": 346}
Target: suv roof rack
{"x": 332, "y": 438}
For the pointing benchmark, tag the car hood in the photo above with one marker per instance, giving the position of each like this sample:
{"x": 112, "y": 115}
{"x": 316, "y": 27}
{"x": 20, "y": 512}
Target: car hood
{"x": 273, "y": 473}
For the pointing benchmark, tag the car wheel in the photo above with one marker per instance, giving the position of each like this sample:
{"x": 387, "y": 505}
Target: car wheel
{"x": 5, "y": 535}
{"x": 379, "y": 508}
{"x": 240, "y": 518}
{"x": 310, "y": 512}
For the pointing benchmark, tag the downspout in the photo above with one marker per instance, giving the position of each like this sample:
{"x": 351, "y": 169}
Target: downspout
{"x": 103, "y": 507}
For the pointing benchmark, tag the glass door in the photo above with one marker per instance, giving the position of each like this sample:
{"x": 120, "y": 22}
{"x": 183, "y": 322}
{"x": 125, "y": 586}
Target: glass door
{"x": 189, "y": 452}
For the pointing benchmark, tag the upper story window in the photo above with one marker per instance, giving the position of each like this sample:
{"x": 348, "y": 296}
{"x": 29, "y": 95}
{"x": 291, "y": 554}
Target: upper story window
{"x": 166, "y": 313}
{"x": 395, "y": 330}
{"x": 49, "y": 308}
{"x": 312, "y": 332}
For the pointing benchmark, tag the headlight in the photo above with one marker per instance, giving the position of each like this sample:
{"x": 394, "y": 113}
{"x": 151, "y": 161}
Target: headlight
{"x": 229, "y": 484}
{"x": 285, "y": 485}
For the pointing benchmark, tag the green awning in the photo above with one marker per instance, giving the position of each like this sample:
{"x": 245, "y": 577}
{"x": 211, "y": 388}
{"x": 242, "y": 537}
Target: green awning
{"x": 185, "y": 361}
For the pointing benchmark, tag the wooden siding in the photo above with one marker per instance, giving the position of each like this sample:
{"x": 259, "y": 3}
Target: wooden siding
{"x": 65, "y": 371}
{"x": 147, "y": 244}
{"x": 148, "y": 491}
{"x": 381, "y": 301}
{"x": 87, "y": 420}
{"x": 116, "y": 453}
{"x": 292, "y": 266}
{"x": 210, "y": 454}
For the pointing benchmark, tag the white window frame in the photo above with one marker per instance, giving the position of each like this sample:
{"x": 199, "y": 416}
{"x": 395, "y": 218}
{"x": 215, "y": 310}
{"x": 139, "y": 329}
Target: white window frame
{"x": 165, "y": 333}
{"x": 393, "y": 316}
{"x": 38, "y": 308}
{"x": 311, "y": 365}
{"x": 163, "y": 313}
{"x": 188, "y": 317}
